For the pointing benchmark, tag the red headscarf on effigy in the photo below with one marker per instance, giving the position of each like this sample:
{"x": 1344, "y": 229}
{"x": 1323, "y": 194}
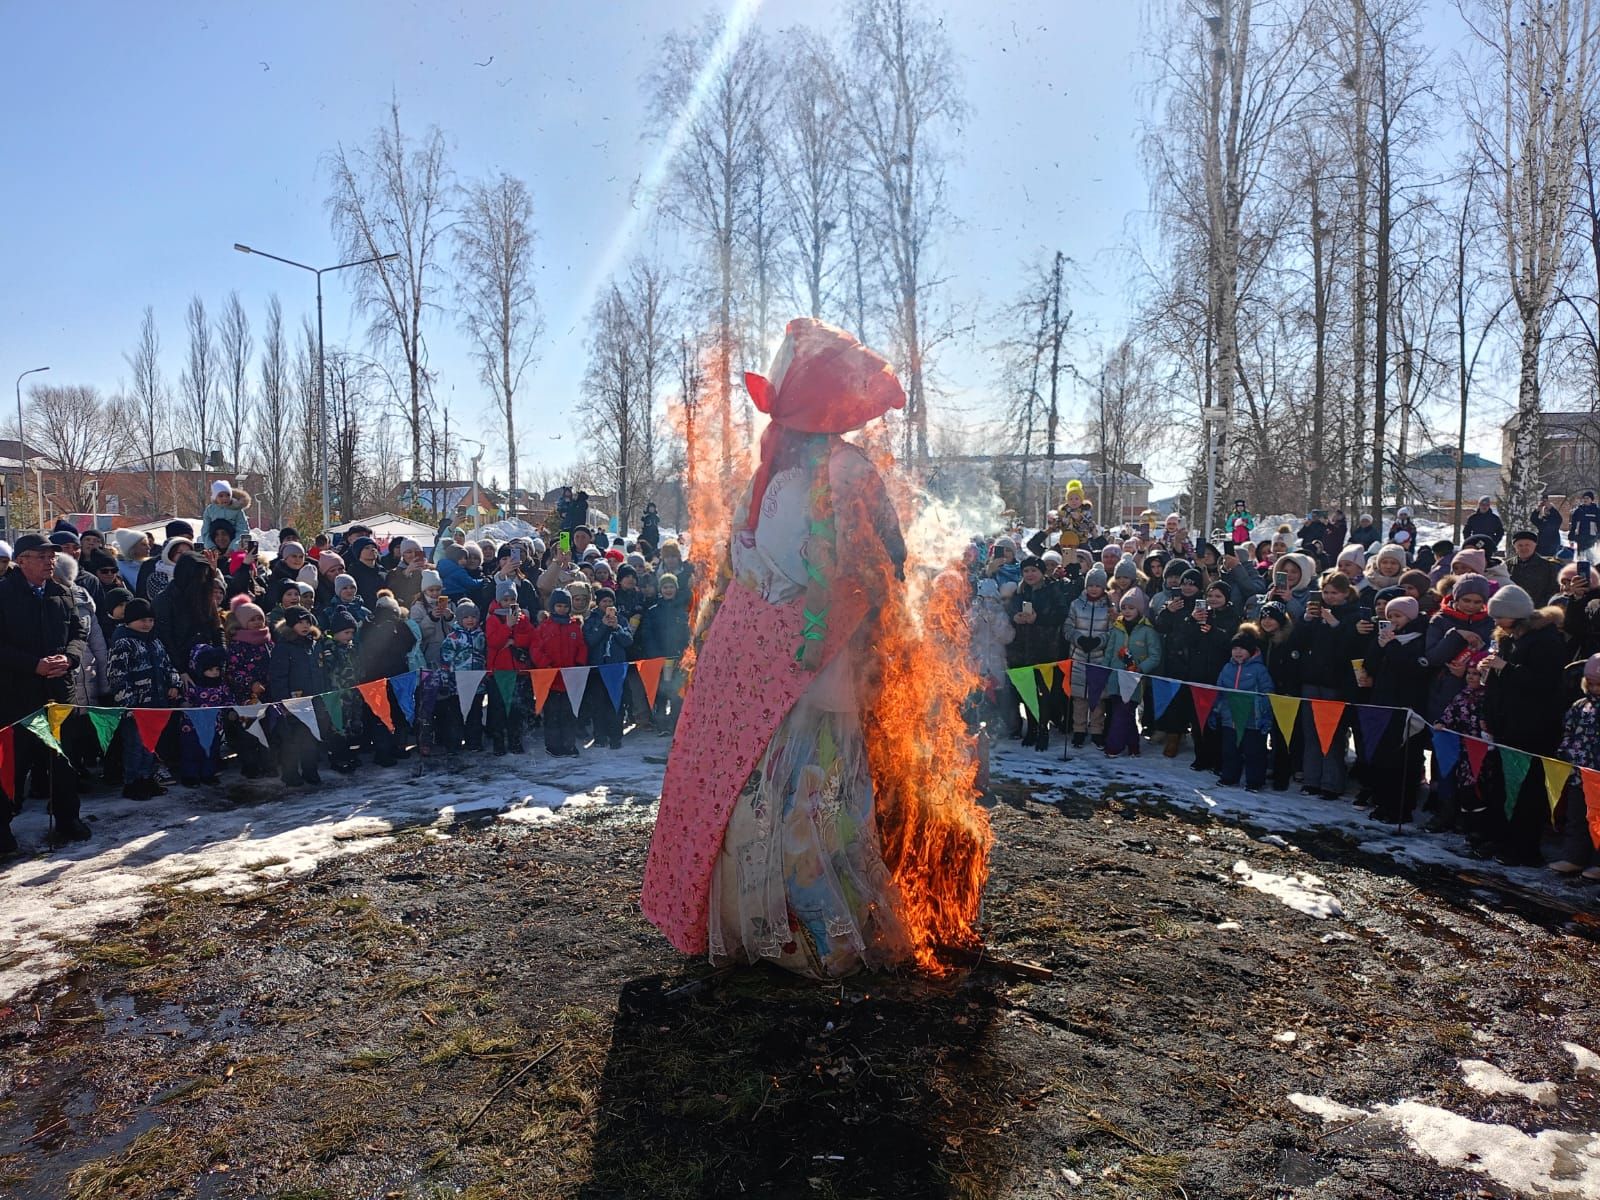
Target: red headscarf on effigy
{"x": 825, "y": 382}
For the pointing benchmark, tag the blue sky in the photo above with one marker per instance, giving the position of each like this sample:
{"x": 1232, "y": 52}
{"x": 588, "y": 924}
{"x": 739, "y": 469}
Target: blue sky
{"x": 144, "y": 140}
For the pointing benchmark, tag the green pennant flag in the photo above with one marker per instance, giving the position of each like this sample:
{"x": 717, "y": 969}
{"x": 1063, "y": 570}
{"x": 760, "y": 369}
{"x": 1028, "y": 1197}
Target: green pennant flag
{"x": 334, "y": 702}
{"x": 1027, "y": 685}
{"x": 1242, "y": 707}
{"x": 506, "y": 681}
{"x": 1514, "y": 766}
{"x": 38, "y": 724}
{"x": 106, "y": 721}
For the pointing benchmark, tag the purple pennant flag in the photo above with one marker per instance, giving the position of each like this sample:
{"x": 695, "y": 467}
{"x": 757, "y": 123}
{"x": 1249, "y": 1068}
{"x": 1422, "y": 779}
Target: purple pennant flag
{"x": 1096, "y": 677}
{"x": 1374, "y": 723}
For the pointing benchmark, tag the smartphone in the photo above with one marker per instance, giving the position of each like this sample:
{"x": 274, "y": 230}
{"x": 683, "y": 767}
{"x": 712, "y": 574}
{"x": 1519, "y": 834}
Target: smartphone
{"x": 1314, "y": 597}
{"x": 564, "y": 542}
{"x": 516, "y": 555}
{"x": 1144, "y": 529}
{"x": 1280, "y": 579}
{"x": 1583, "y": 570}
{"x": 1385, "y": 626}
{"x": 1027, "y": 607}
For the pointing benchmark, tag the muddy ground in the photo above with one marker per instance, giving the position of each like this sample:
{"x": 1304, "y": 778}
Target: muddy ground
{"x": 488, "y": 1015}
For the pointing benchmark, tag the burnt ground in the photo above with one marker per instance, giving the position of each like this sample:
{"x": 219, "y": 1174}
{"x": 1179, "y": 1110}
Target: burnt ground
{"x": 488, "y": 1015}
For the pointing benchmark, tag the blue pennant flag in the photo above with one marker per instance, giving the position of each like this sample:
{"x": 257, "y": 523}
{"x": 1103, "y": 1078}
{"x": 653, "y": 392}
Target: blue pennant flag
{"x": 1374, "y": 723}
{"x": 613, "y": 675}
{"x": 204, "y": 723}
{"x": 1164, "y": 692}
{"x": 1446, "y": 750}
{"x": 1096, "y": 677}
{"x": 405, "y": 693}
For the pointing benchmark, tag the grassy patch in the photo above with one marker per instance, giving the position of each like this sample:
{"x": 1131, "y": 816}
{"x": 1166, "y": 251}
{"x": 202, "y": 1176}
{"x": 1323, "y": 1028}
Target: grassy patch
{"x": 152, "y": 1163}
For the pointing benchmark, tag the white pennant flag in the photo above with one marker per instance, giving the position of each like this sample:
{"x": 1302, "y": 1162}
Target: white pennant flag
{"x": 467, "y": 689}
{"x": 251, "y": 714}
{"x": 1128, "y": 684}
{"x": 1415, "y": 724}
{"x": 576, "y": 679}
{"x": 304, "y": 709}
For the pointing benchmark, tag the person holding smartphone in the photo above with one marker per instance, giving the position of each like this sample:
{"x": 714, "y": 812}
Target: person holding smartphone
{"x": 609, "y": 639}
{"x": 1037, "y": 610}
{"x": 1327, "y": 640}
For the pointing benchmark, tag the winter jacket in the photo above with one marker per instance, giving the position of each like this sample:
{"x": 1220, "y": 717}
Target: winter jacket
{"x": 248, "y": 665}
{"x": 1326, "y": 650}
{"x": 1442, "y": 641}
{"x": 465, "y": 649}
{"x": 1523, "y": 702}
{"x": 357, "y": 610}
{"x": 1133, "y": 649}
{"x": 1249, "y": 676}
{"x": 1538, "y": 576}
{"x": 458, "y": 584}
{"x": 510, "y": 647}
{"x": 606, "y": 645}
{"x": 1194, "y": 652}
{"x": 664, "y": 632}
{"x": 1583, "y": 527}
{"x": 992, "y": 632}
{"x": 383, "y": 648}
{"x": 1085, "y": 630}
{"x": 202, "y": 692}
{"x": 1486, "y": 525}
{"x": 1365, "y": 536}
{"x": 433, "y": 629}
{"x": 1407, "y": 526}
{"x": 557, "y": 644}
{"x": 31, "y": 628}
{"x": 295, "y": 670}
{"x": 1039, "y": 642}
{"x": 141, "y": 675}
{"x": 1580, "y": 734}
{"x": 1546, "y": 522}
{"x": 1400, "y": 672}
{"x": 1283, "y": 658}
{"x": 235, "y": 513}
{"x": 339, "y": 663}
{"x": 369, "y": 580}
{"x": 89, "y": 679}
{"x": 178, "y": 623}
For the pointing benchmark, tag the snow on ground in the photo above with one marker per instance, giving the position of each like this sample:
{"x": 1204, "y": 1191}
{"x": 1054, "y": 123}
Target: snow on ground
{"x": 1489, "y": 1079}
{"x": 1586, "y": 1060}
{"x": 1300, "y": 891}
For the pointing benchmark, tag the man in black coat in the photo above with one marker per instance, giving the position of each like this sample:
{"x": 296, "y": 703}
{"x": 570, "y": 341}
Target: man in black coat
{"x": 1531, "y": 571}
{"x": 1486, "y": 524}
{"x": 42, "y": 642}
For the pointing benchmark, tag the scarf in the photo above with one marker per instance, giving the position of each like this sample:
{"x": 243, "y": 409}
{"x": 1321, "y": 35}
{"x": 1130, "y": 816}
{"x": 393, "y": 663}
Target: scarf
{"x": 252, "y": 637}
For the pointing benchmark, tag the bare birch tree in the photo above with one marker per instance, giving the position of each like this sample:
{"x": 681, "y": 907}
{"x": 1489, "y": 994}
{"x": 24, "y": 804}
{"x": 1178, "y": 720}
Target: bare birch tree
{"x": 814, "y": 155}
{"x": 236, "y": 348}
{"x": 150, "y": 401}
{"x": 272, "y": 414}
{"x": 198, "y": 382}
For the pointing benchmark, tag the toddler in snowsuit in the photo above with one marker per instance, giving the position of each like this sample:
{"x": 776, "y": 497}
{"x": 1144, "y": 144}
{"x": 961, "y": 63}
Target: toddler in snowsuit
{"x": 140, "y": 675}
{"x": 559, "y": 642}
{"x": 1244, "y": 749}
{"x": 465, "y": 648}
{"x": 295, "y": 673}
{"x": 336, "y": 659}
{"x": 1580, "y": 745}
{"x": 198, "y": 763}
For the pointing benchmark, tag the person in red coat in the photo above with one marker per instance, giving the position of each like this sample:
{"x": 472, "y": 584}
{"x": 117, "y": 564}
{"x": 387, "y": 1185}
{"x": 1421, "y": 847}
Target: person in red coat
{"x": 509, "y": 632}
{"x": 558, "y": 642}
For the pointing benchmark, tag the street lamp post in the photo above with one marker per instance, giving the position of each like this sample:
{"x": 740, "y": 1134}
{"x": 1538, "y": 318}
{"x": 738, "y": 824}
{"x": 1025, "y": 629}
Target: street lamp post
{"x": 22, "y": 458}
{"x": 322, "y": 366}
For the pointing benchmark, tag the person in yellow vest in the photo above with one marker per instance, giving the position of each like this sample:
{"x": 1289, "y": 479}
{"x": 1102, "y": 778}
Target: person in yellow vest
{"x": 1077, "y": 517}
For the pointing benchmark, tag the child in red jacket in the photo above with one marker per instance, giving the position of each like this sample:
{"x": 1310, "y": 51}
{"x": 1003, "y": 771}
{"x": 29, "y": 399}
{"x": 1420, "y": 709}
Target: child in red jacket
{"x": 559, "y": 642}
{"x": 510, "y": 634}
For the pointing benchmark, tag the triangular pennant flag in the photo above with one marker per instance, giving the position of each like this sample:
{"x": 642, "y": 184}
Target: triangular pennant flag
{"x": 1065, "y": 666}
{"x": 1128, "y": 685}
{"x": 1047, "y": 672}
{"x": 405, "y": 693}
{"x": 1556, "y": 774}
{"x": 543, "y": 678}
{"x": 304, "y": 710}
{"x": 650, "y": 675}
{"x": 256, "y": 727}
{"x": 467, "y": 684}
{"x": 1514, "y": 765}
{"x": 576, "y": 680}
{"x": 1591, "y": 796}
{"x": 204, "y": 723}
{"x": 1446, "y": 751}
{"x": 38, "y": 724}
{"x": 614, "y": 675}
{"x": 1164, "y": 692}
{"x": 1415, "y": 724}
{"x": 105, "y": 722}
{"x": 1095, "y": 678}
{"x": 1477, "y": 750}
{"x": 249, "y": 712}
{"x": 1285, "y": 710}
{"x": 253, "y": 717}
{"x": 334, "y": 703}
{"x": 506, "y": 683}
{"x": 376, "y": 695}
{"x": 1027, "y": 685}
{"x": 1204, "y": 698}
{"x": 1374, "y": 722}
{"x": 1242, "y": 708}
{"x": 1326, "y": 714}
{"x": 57, "y": 714}
{"x": 8, "y": 761}
{"x": 151, "y": 723}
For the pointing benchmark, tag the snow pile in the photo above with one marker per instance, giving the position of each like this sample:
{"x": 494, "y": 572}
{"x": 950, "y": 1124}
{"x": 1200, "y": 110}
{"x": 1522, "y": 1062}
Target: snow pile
{"x": 1489, "y": 1079}
{"x": 1586, "y": 1060}
{"x": 1301, "y": 892}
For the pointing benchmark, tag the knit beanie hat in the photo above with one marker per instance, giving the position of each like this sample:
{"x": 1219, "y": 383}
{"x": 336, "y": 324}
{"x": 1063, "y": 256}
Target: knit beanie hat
{"x": 1591, "y": 668}
{"x": 430, "y": 579}
{"x": 1095, "y": 578}
{"x": 1134, "y": 598}
{"x": 466, "y": 608}
{"x": 1177, "y": 567}
{"x": 340, "y": 620}
{"x": 1126, "y": 568}
{"x": 1247, "y": 638}
{"x": 137, "y": 609}
{"x": 1472, "y": 562}
{"x": 1355, "y": 553}
{"x": 1393, "y": 550}
{"x": 1418, "y": 580}
{"x": 206, "y": 657}
{"x": 343, "y": 581}
{"x": 288, "y": 548}
{"x": 116, "y": 596}
{"x": 387, "y": 604}
{"x": 1511, "y": 601}
{"x": 1275, "y": 609}
{"x": 218, "y": 486}
{"x": 505, "y": 590}
{"x": 1402, "y": 606}
{"x": 1192, "y": 576}
{"x": 560, "y": 596}
{"x": 1472, "y": 584}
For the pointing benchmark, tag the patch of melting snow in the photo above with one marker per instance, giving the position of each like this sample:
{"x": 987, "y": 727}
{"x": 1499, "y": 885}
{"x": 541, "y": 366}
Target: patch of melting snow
{"x": 1195, "y": 837}
{"x": 1273, "y": 839}
{"x": 1300, "y": 891}
{"x": 1551, "y": 1163}
{"x": 1287, "y": 1037}
{"x": 1338, "y": 935}
{"x": 1586, "y": 1060}
{"x": 1485, "y": 1077}
{"x": 1227, "y": 926}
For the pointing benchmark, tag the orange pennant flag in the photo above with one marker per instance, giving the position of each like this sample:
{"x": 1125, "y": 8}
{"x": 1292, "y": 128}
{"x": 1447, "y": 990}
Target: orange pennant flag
{"x": 1066, "y": 675}
{"x": 376, "y": 695}
{"x": 650, "y": 675}
{"x": 542, "y": 679}
{"x": 1591, "y": 794}
{"x": 1327, "y": 714}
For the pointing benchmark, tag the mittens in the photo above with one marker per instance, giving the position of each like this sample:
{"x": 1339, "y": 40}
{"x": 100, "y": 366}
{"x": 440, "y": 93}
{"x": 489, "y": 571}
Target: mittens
{"x": 1088, "y": 644}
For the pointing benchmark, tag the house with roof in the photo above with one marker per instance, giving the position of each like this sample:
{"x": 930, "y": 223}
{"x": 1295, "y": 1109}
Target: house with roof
{"x": 1428, "y": 481}
{"x": 1571, "y": 460}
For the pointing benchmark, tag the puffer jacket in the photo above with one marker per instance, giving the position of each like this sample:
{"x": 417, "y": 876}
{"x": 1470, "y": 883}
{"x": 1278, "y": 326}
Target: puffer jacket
{"x": 606, "y": 645}
{"x": 992, "y": 632}
{"x": 294, "y": 670}
{"x": 1580, "y": 733}
{"x": 433, "y": 629}
{"x": 1524, "y": 701}
{"x": 510, "y": 646}
{"x": 1441, "y": 642}
{"x": 338, "y": 663}
{"x": 1039, "y": 642}
{"x": 1087, "y": 624}
{"x": 558, "y": 644}
{"x": 1142, "y": 644}
{"x": 465, "y": 649}
{"x": 140, "y": 675}
{"x": 1249, "y": 676}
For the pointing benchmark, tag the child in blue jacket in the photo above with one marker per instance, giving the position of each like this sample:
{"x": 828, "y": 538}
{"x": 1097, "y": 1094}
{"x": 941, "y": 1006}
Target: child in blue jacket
{"x": 1245, "y": 672}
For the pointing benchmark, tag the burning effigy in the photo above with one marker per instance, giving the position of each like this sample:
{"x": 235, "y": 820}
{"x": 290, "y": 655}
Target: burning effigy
{"x": 819, "y": 804}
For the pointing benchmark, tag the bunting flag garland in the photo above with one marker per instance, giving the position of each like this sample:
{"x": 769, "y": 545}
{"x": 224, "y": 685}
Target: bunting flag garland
{"x": 1285, "y": 710}
{"x": 1204, "y": 699}
{"x": 1065, "y": 667}
{"x": 650, "y": 675}
{"x": 1164, "y": 691}
{"x": 577, "y": 679}
{"x": 8, "y": 761}
{"x": 1374, "y": 724}
{"x": 254, "y": 718}
{"x": 613, "y": 675}
{"x": 405, "y": 694}
{"x": 467, "y": 685}
{"x": 1415, "y": 724}
{"x": 1128, "y": 685}
{"x": 1556, "y": 774}
{"x": 1242, "y": 708}
{"x": 38, "y": 724}
{"x": 1477, "y": 750}
{"x": 304, "y": 710}
{"x": 151, "y": 723}
{"x": 57, "y": 715}
{"x": 1027, "y": 685}
{"x": 376, "y": 695}
{"x": 1446, "y": 751}
{"x": 1095, "y": 679}
{"x": 1326, "y": 715}
{"x": 1514, "y": 765}
{"x": 204, "y": 723}
{"x": 334, "y": 702}
{"x": 1047, "y": 672}
{"x": 505, "y": 683}
{"x": 105, "y": 722}
{"x": 543, "y": 679}
{"x": 1591, "y": 796}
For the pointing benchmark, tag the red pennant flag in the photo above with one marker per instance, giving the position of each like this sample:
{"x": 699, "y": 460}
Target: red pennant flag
{"x": 1477, "y": 750}
{"x": 542, "y": 679}
{"x": 1326, "y": 714}
{"x": 376, "y": 695}
{"x": 650, "y": 676}
{"x": 1066, "y": 676}
{"x": 1204, "y": 698}
{"x": 8, "y": 761}
{"x": 152, "y": 722}
{"x": 1591, "y": 794}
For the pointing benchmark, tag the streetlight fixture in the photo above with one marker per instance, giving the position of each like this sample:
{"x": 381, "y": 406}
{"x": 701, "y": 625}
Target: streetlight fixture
{"x": 22, "y": 458}
{"x": 322, "y": 365}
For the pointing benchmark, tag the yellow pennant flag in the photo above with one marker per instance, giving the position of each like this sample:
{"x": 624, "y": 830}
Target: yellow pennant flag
{"x": 1048, "y": 670}
{"x": 1556, "y": 774}
{"x": 57, "y": 715}
{"x": 1285, "y": 709}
